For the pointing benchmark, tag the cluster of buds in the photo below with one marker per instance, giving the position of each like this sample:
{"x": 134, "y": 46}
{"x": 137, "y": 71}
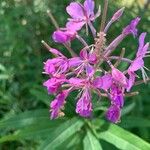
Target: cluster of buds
{"x": 84, "y": 72}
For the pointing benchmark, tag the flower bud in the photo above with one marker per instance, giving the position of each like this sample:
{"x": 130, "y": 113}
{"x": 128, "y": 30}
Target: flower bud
{"x": 118, "y": 14}
{"x": 63, "y": 36}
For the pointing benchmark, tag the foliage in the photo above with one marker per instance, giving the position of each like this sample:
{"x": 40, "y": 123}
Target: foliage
{"x": 24, "y": 103}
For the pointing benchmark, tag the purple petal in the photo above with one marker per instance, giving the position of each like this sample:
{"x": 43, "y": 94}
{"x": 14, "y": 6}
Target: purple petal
{"x": 131, "y": 80}
{"x": 63, "y": 36}
{"x": 77, "y": 82}
{"x": 113, "y": 114}
{"x": 89, "y": 7}
{"x": 84, "y": 105}
{"x": 118, "y": 100}
{"x": 145, "y": 48}
{"x": 75, "y": 10}
{"x": 60, "y": 37}
{"x": 136, "y": 65}
{"x": 141, "y": 44}
{"x": 84, "y": 54}
{"x": 75, "y": 61}
{"x": 89, "y": 70}
{"x": 49, "y": 67}
{"x": 131, "y": 28}
{"x": 63, "y": 66}
{"x": 75, "y": 25}
{"x": 92, "y": 58}
{"x": 119, "y": 76}
{"x": 57, "y": 104}
{"x": 54, "y": 84}
{"x": 56, "y": 52}
{"x": 103, "y": 82}
{"x": 116, "y": 95}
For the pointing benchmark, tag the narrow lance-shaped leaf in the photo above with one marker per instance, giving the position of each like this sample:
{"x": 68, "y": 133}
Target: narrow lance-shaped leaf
{"x": 123, "y": 139}
{"x": 38, "y": 131}
{"x": 90, "y": 142}
{"x": 25, "y": 119}
{"x": 61, "y": 134}
{"x": 132, "y": 122}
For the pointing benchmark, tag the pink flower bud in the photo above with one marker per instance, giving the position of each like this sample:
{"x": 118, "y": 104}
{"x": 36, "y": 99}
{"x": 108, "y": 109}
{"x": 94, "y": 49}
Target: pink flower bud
{"x": 118, "y": 14}
{"x": 63, "y": 36}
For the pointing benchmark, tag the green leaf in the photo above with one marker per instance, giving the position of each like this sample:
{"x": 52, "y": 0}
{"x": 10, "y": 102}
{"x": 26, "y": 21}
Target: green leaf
{"x": 131, "y": 122}
{"x": 72, "y": 142}
{"x": 123, "y": 139}
{"x": 90, "y": 142}
{"x": 61, "y": 134}
{"x": 31, "y": 132}
{"x": 4, "y": 76}
{"x": 41, "y": 95}
{"x": 25, "y": 119}
{"x": 2, "y": 68}
{"x": 128, "y": 109}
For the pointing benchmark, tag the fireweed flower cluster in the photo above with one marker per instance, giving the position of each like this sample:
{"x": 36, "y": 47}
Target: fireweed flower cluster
{"x": 79, "y": 72}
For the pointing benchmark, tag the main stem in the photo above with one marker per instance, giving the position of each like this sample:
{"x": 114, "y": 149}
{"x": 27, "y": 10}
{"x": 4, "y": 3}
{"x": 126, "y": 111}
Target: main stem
{"x": 104, "y": 16}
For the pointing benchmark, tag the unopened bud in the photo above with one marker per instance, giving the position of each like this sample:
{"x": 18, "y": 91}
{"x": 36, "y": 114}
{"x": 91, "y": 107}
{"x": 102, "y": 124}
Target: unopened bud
{"x": 118, "y": 14}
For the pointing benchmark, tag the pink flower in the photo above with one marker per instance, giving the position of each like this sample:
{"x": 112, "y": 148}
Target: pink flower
{"x": 116, "y": 95}
{"x": 131, "y": 80}
{"x": 77, "y": 82}
{"x": 81, "y": 14}
{"x": 57, "y": 104}
{"x": 103, "y": 82}
{"x": 54, "y": 83}
{"x": 65, "y": 36}
{"x": 85, "y": 61}
{"x": 84, "y": 105}
{"x": 138, "y": 62}
{"x": 113, "y": 114}
{"x": 56, "y": 65}
{"x": 119, "y": 77}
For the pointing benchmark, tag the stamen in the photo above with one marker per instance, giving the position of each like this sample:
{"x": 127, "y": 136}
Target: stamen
{"x": 146, "y": 68}
{"x": 144, "y": 75}
{"x": 146, "y": 56}
{"x": 141, "y": 81}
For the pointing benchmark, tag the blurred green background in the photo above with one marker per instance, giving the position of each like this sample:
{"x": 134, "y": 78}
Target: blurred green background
{"x": 24, "y": 103}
